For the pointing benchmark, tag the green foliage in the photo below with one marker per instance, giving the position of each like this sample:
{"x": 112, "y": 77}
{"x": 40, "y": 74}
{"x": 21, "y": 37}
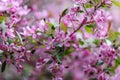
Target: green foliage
{"x": 67, "y": 52}
{"x": 93, "y": 78}
{"x": 96, "y": 1}
{"x": 80, "y": 11}
{"x": 96, "y": 42}
{"x": 64, "y": 12}
{"x": 63, "y": 26}
{"x": 33, "y": 41}
{"x": 116, "y": 3}
{"x": 51, "y": 26}
{"x": 117, "y": 63}
{"x": 2, "y": 18}
{"x": 62, "y": 52}
{"x": 113, "y": 36}
{"x": 9, "y": 41}
{"x": 3, "y": 66}
{"x": 88, "y": 5}
{"x": 81, "y": 42}
{"x": 112, "y": 69}
{"x": 89, "y": 28}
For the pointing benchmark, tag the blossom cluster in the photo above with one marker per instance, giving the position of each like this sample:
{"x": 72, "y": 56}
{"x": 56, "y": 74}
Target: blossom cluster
{"x": 79, "y": 46}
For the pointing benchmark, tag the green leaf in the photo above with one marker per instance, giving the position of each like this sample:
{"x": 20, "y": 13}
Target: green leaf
{"x": 9, "y": 41}
{"x": 64, "y": 12}
{"x": 93, "y": 78}
{"x": 63, "y": 26}
{"x": 89, "y": 29}
{"x": 51, "y": 26}
{"x": 38, "y": 31}
{"x": 2, "y": 18}
{"x": 3, "y": 66}
{"x": 80, "y": 11}
{"x": 33, "y": 41}
{"x": 67, "y": 52}
{"x": 96, "y": 41}
{"x": 117, "y": 61}
{"x": 91, "y": 26}
{"x": 113, "y": 36}
{"x": 89, "y": 5}
{"x": 96, "y": 1}
{"x": 110, "y": 69}
{"x": 51, "y": 35}
{"x": 116, "y": 3}
{"x": 81, "y": 42}
{"x": 59, "y": 57}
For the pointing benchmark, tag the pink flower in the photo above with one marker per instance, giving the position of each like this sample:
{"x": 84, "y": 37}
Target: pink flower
{"x": 29, "y": 31}
{"x": 102, "y": 17}
{"x": 10, "y": 33}
{"x": 23, "y": 11}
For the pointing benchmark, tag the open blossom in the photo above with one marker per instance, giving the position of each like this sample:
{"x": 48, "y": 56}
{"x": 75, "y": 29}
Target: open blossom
{"x": 102, "y": 19}
{"x": 107, "y": 53}
{"x": 101, "y": 31}
{"x": 29, "y": 31}
{"x": 101, "y": 16}
{"x": 23, "y": 11}
{"x": 10, "y": 33}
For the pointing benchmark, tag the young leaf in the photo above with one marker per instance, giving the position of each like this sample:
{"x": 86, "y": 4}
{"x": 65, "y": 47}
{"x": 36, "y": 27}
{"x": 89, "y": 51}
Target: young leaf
{"x": 9, "y": 41}
{"x": 52, "y": 28}
{"x": 96, "y": 41}
{"x": 63, "y": 26}
{"x": 67, "y": 52}
{"x": 64, "y": 12}
{"x": 89, "y": 29}
{"x": 81, "y": 42}
{"x": 116, "y": 3}
{"x": 2, "y": 18}
{"x": 88, "y": 5}
{"x": 3, "y": 66}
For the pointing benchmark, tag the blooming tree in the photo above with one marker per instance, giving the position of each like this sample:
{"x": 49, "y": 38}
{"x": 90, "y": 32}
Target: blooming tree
{"x": 81, "y": 45}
